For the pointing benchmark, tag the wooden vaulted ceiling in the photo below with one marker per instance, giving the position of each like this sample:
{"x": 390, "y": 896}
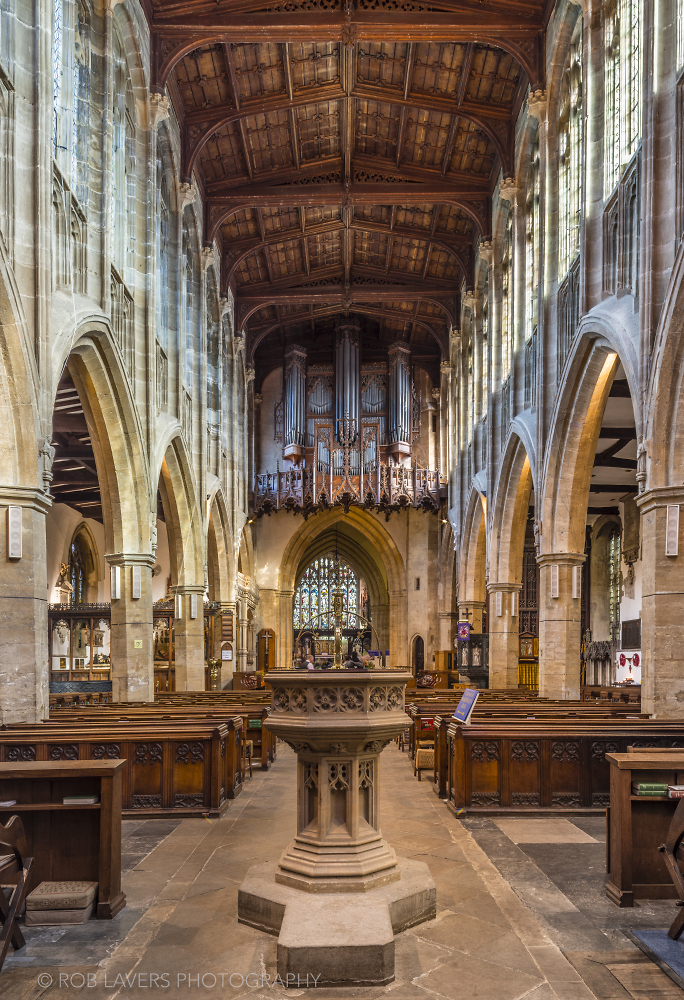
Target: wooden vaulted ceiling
{"x": 346, "y": 152}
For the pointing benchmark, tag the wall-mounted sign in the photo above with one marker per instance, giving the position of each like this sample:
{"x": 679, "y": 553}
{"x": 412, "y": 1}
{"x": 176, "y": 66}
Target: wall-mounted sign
{"x": 226, "y": 654}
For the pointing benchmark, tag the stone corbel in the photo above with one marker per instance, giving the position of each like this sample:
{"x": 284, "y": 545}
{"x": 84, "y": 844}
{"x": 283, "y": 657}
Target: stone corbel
{"x": 508, "y": 189}
{"x": 238, "y": 343}
{"x": 642, "y": 472}
{"x": 250, "y": 375}
{"x": 469, "y": 300}
{"x": 445, "y": 367}
{"x": 47, "y": 456}
{"x": 160, "y": 109}
{"x": 209, "y": 258}
{"x": 226, "y": 304}
{"x": 258, "y": 399}
{"x": 187, "y": 194}
{"x": 486, "y": 251}
{"x": 436, "y": 393}
{"x": 536, "y": 105}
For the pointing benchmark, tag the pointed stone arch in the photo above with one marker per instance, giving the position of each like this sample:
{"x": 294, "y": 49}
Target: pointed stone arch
{"x": 472, "y": 593}
{"x": 117, "y": 439}
{"x": 562, "y": 510}
{"x": 510, "y": 504}
{"x": 220, "y": 561}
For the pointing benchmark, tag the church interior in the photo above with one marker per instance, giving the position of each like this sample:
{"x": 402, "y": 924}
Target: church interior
{"x": 341, "y": 466}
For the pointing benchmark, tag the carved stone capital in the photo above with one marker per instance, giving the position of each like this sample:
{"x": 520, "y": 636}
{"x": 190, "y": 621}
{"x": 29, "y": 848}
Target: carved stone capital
{"x": 436, "y": 393}
{"x": 508, "y": 189}
{"x": 250, "y": 375}
{"x": 226, "y": 303}
{"x": 445, "y": 367}
{"x": 536, "y": 105}
{"x": 187, "y": 194}
{"x": 160, "y": 109}
{"x": 258, "y": 399}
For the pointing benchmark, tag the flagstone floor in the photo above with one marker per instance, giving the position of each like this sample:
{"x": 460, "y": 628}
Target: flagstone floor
{"x": 500, "y": 931}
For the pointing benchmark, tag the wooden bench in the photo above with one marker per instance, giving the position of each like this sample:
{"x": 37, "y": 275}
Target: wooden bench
{"x": 69, "y": 842}
{"x": 253, "y": 717}
{"x": 534, "y": 764}
{"x": 630, "y": 694}
{"x": 188, "y": 768}
{"x": 639, "y": 826}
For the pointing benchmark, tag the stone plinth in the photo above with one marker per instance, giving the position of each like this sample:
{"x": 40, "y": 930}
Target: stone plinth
{"x": 338, "y": 894}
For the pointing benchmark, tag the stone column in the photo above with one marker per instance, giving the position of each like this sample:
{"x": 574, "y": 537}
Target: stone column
{"x": 131, "y": 642}
{"x": 503, "y": 635}
{"x": 662, "y": 620}
{"x": 189, "y": 639}
{"x": 559, "y": 627}
{"x": 398, "y": 644}
{"x": 242, "y": 624}
{"x": 24, "y": 669}
{"x": 380, "y": 622}
{"x": 285, "y": 633}
{"x": 447, "y": 629}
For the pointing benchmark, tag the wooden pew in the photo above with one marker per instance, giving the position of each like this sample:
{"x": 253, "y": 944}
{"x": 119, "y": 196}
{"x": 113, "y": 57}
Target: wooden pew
{"x": 183, "y": 767}
{"x": 252, "y": 720}
{"x": 540, "y": 764}
{"x": 630, "y": 694}
{"x": 638, "y": 826}
{"x": 422, "y": 716}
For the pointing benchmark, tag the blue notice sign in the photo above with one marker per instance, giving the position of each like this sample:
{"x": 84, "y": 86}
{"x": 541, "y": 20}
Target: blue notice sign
{"x": 466, "y": 705}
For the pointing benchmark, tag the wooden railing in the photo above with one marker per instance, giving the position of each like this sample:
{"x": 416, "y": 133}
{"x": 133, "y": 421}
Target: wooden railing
{"x": 387, "y": 487}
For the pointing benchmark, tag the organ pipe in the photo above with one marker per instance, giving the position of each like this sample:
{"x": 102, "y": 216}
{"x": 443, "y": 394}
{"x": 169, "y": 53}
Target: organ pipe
{"x": 347, "y": 367}
{"x": 399, "y": 403}
{"x": 294, "y": 403}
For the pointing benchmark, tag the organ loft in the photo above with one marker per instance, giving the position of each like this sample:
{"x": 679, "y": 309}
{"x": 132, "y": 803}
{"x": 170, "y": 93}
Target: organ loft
{"x": 341, "y": 482}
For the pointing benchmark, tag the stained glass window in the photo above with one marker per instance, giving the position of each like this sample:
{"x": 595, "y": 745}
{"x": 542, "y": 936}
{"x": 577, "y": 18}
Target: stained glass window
{"x": 571, "y": 140}
{"x": 484, "y": 395}
{"x": 314, "y": 594}
{"x": 532, "y": 241}
{"x": 507, "y": 299}
{"x": 614, "y": 584}
{"x": 77, "y": 570}
{"x": 57, "y": 28}
{"x": 81, "y": 113}
{"x": 622, "y": 130}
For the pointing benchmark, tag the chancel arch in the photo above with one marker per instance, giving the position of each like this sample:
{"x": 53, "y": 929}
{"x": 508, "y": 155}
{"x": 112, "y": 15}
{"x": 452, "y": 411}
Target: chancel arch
{"x": 366, "y": 545}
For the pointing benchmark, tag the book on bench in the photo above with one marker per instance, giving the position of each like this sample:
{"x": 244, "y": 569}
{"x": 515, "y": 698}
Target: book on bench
{"x": 649, "y": 788}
